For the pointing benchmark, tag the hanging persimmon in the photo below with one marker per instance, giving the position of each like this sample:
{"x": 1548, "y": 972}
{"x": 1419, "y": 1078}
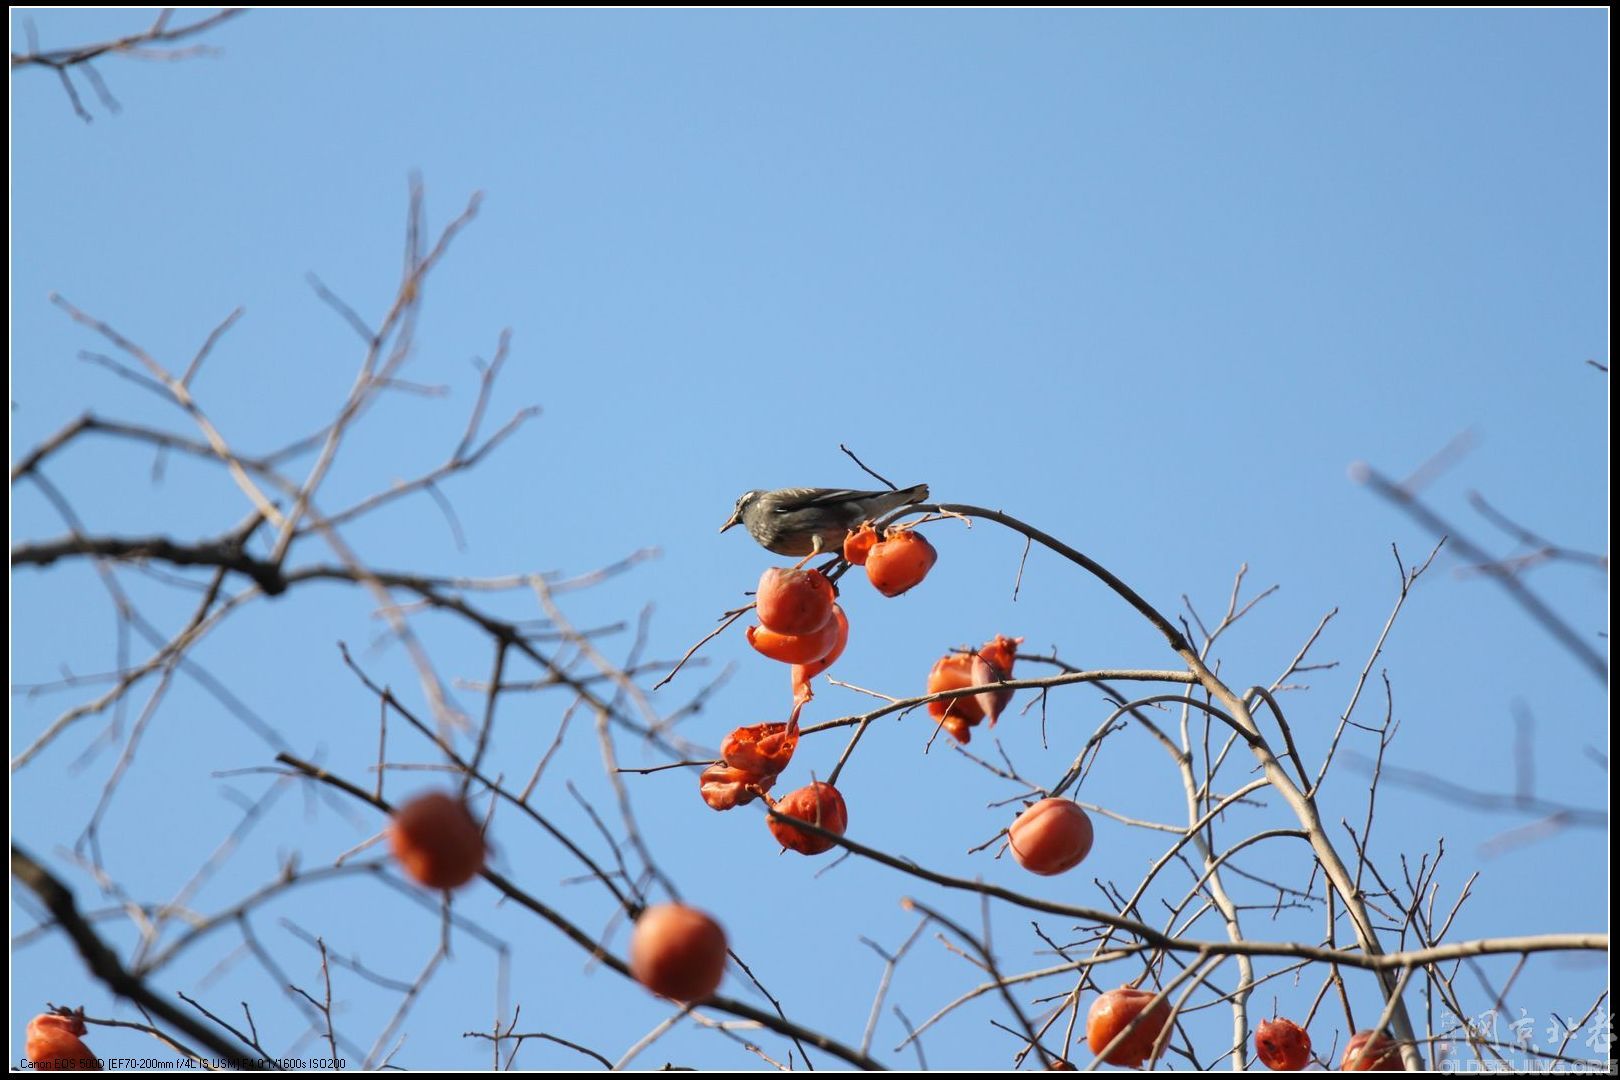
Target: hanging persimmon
{"x": 53, "y": 1043}
{"x": 794, "y": 601}
{"x": 725, "y": 788}
{"x": 954, "y": 671}
{"x": 803, "y": 673}
{"x": 1050, "y": 837}
{"x": 899, "y": 561}
{"x": 1282, "y": 1045}
{"x": 437, "y": 841}
{"x": 819, "y": 804}
{"x": 1367, "y": 1052}
{"x": 858, "y": 544}
{"x": 797, "y": 648}
{"x": 678, "y": 952}
{"x": 1113, "y": 1012}
{"x": 763, "y": 749}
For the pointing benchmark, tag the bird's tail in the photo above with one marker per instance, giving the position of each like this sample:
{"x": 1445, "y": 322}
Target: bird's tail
{"x": 916, "y": 494}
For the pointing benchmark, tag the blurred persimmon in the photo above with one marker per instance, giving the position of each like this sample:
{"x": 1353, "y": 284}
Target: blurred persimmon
{"x": 437, "y": 841}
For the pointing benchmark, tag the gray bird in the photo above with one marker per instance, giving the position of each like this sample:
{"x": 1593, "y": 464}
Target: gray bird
{"x": 805, "y": 521}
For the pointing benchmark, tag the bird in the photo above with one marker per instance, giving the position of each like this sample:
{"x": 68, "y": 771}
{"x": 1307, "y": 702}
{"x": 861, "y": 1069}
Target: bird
{"x": 807, "y": 521}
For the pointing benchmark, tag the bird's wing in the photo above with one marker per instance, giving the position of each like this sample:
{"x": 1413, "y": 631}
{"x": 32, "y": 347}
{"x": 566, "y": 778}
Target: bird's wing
{"x": 790, "y": 499}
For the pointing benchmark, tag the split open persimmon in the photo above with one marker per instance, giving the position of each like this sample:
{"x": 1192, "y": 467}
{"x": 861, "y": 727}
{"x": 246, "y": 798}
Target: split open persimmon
{"x": 1051, "y": 837}
{"x": 798, "y": 648}
{"x": 437, "y": 841}
{"x": 1113, "y": 1012}
{"x": 899, "y": 561}
{"x": 803, "y": 673}
{"x": 726, "y": 788}
{"x": 1282, "y": 1045}
{"x": 818, "y": 803}
{"x": 54, "y": 1045}
{"x": 763, "y": 749}
{"x": 793, "y": 601}
{"x": 858, "y": 544}
{"x": 678, "y": 952}
{"x": 1364, "y": 1053}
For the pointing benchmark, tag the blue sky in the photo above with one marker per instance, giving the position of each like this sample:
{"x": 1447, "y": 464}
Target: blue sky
{"x": 1148, "y": 280}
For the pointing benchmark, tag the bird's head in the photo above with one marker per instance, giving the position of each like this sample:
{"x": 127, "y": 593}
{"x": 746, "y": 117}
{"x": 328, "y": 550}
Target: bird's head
{"x": 737, "y": 512}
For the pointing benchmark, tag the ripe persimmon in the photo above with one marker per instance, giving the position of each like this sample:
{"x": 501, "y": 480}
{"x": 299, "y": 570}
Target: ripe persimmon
{"x": 1282, "y": 1045}
{"x": 1111, "y": 1013}
{"x": 899, "y": 561}
{"x": 818, "y": 803}
{"x": 678, "y": 952}
{"x": 958, "y": 729}
{"x": 797, "y": 648}
{"x": 858, "y": 544}
{"x": 793, "y": 601}
{"x": 54, "y": 1045}
{"x": 437, "y": 841}
{"x": 1367, "y": 1054}
{"x": 763, "y": 749}
{"x": 1050, "y": 837}
{"x": 803, "y": 673}
{"x": 953, "y": 672}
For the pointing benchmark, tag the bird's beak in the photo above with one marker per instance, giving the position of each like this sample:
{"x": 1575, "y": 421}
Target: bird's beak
{"x": 730, "y": 521}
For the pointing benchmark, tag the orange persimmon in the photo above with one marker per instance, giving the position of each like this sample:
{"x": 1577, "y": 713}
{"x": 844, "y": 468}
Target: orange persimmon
{"x": 797, "y": 648}
{"x": 953, "y": 672}
{"x": 763, "y": 749}
{"x": 858, "y": 544}
{"x": 1364, "y": 1053}
{"x": 1051, "y": 837}
{"x": 818, "y": 803}
{"x": 803, "y": 673}
{"x": 724, "y": 788}
{"x": 899, "y": 561}
{"x": 54, "y": 1045}
{"x": 678, "y": 952}
{"x": 1110, "y": 1014}
{"x": 1282, "y": 1045}
{"x": 792, "y": 601}
{"x": 437, "y": 841}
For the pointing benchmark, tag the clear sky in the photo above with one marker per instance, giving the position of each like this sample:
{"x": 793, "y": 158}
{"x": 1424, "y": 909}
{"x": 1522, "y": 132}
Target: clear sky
{"x": 1149, "y": 280}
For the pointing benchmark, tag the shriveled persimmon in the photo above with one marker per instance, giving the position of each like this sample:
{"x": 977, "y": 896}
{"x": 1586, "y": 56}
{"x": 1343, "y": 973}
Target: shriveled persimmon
{"x": 1113, "y": 1012}
{"x": 1282, "y": 1045}
{"x": 797, "y": 648}
{"x": 819, "y": 804}
{"x": 793, "y": 601}
{"x": 994, "y": 663}
{"x": 678, "y": 952}
{"x": 1364, "y": 1053}
{"x": 1001, "y": 651}
{"x": 991, "y": 702}
{"x": 725, "y": 788}
{"x": 1051, "y": 837}
{"x": 803, "y": 673}
{"x": 763, "y": 749}
{"x": 858, "y": 544}
{"x": 958, "y": 729}
{"x": 437, "y": 841}
{"x": 899, "y": 561}
{"x": 54, "y": 1045}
